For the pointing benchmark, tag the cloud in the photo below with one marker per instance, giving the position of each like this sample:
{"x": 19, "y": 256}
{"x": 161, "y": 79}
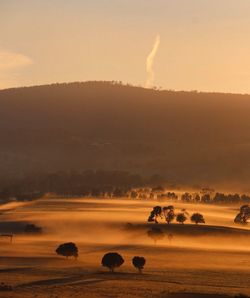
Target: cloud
{"x": 10, "y": 64}
{"x": 150, "y": 63}
{"x": 11, "y": 60}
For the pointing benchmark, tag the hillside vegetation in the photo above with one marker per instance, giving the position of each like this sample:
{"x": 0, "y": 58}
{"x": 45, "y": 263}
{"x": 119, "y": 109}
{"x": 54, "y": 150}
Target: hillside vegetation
{"x": 187, "y": 137}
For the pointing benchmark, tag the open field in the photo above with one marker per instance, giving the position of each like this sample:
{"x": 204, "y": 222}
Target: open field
{"x": 211, "y": 259}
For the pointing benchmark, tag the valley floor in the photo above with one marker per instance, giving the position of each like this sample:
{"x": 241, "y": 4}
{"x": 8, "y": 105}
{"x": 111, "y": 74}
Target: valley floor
{"x": 211, "y": 265}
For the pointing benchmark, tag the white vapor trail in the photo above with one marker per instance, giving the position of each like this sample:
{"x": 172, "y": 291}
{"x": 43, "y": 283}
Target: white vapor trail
{"x": 150, "y": 63}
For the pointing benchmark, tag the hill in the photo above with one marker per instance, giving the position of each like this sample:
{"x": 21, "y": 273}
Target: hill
{"x": 187, "y": 137}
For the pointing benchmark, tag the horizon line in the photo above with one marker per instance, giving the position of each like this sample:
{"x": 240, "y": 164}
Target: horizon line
{"x": 120, "y": 83}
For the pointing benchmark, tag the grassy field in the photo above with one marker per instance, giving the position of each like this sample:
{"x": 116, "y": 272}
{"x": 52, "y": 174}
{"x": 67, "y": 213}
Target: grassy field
{"x": 199, "y": 260}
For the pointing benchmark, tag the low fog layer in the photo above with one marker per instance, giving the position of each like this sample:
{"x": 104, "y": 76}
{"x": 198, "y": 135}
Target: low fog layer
{"x": 211, "y": 257}
{"x": 124, "y": 222}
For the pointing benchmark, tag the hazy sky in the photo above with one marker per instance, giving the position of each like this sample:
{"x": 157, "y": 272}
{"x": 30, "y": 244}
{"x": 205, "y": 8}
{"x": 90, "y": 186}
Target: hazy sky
{"x": 204, "y": 44}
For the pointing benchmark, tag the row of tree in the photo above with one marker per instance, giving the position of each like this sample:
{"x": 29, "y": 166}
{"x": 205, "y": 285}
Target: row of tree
{"x": 214, "y": 198}
{"x": 205, "y": 196}
{"x": 106, "y": 184}
{"x": 110, "y": 260}
{"x": 75, "y": 184}
{"x": 169, "y": 214}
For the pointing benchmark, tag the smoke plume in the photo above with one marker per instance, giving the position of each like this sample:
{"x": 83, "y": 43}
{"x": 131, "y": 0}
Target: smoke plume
{"x": 150, "y": 63}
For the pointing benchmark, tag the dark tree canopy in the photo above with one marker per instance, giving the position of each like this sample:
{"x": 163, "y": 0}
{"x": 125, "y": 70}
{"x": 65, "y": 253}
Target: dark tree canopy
{"x": 169, "y": 213}
{"x": 243, "y": 216}
{"x": 197, "y": 218}
{"x": 181, "y": 217}
{"x": 139, "y": 263}
{"x": 112, "y": 260}
{"x": 155, "y": 213}
{"x": 68, "y": 249}
{"x": 186, "y": 197}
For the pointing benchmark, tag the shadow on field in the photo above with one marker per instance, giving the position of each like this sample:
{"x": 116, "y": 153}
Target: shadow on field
{"x": 192, "y": 229}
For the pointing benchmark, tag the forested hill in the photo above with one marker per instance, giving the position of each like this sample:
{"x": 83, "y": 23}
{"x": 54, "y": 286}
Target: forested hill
{"x": 185, "y": 136}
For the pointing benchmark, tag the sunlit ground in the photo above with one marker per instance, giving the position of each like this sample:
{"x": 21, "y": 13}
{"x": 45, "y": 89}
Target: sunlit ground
{"x": 198, "y": 259}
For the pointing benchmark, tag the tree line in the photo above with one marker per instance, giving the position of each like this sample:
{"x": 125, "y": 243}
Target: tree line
{"x": 106, "y": 184}
{"x": 75, "y": 184}
{"x": 110, "y": 260}
{"x": 169, "y": 214}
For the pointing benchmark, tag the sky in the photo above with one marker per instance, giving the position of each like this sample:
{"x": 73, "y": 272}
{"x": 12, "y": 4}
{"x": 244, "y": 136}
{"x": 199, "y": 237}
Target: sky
{"x": 204, "y": 44}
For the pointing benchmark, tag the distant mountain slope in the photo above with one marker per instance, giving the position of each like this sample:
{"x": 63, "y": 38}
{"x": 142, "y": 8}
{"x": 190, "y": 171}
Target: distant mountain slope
{"x": 186, "y": 136}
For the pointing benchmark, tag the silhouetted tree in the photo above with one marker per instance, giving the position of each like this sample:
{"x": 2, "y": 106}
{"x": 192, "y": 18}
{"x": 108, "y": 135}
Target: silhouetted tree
{"x": 112, "y": 260}
{"x": 171, "y": 195}
{"x": 186, "y": 197}
{"x": 139, "y": 263}
{"x": 206, "y": 198}
{"x": 196, "y": 198}
{"x": 156, "y": 234}
{"x": 155, "y": 213}
{"x": 118, "y": 193}
{"x": 169, "y": 213}
{"x": 243, "y": 216}
{"x": 181, "y": 217}
{"x": 197, "y": 218}
{"x": 68, "y": 249}
{"x": 134, "y": 194}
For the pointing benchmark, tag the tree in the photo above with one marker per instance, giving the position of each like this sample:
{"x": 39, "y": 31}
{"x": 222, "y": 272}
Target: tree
{"x": 139, "y": 263}
{"x": 68, "y": 249}
{"x": 186, "y": 197}
{"x": 155, "y": 213}
{"x": 169, "y": 213}
{"x": 134, "y": 194}
{"x": 206, "y": 198}
{"x": 181, "y": 217}
{"x": 197, "y": 218}
{"x": 196, "y": 198}
{"x": 112, "y": 260}
{"x": 156, "y": 234}
{"x": 243, "y": 216}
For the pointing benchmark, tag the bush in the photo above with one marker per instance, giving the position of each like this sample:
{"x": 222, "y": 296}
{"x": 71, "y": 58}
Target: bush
{"x": 139, "y": 263}
{"x": 112, "y": 260}
{"x": 67, "y": 250}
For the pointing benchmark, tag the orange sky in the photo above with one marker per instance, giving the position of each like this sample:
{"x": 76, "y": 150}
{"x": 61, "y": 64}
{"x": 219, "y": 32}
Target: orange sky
{"x": 204, "y": 44}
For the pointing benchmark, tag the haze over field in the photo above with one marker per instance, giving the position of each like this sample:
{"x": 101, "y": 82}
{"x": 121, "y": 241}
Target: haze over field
{"x": 124, "y": 149}
{"x": 98, "y": 226}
